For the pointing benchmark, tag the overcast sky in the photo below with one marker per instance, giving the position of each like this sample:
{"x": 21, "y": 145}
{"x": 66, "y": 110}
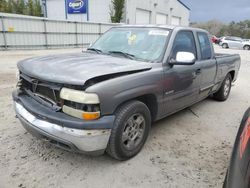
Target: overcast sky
{"x": 223, "y": 10}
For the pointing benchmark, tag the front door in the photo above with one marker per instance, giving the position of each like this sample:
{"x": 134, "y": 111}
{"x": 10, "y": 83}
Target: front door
{"x": 181, "y": 82}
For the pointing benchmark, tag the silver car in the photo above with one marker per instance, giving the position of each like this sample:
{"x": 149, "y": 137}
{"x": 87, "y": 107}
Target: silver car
{"x": 235, "y": 42}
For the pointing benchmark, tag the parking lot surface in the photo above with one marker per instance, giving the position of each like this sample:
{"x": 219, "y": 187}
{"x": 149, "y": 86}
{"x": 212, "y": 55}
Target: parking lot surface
{"x": 188, "y": 149}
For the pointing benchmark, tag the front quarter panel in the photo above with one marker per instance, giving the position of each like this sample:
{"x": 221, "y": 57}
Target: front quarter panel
{"x": 114, "y": 92}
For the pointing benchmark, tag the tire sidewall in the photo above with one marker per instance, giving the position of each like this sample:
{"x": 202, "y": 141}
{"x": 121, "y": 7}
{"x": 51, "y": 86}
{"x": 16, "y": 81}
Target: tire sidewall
{"x": 120, "y": 125}
{"x": 224, "y": 45}
{"x": 246, "y": 47}
{"x": 224, "y": 82}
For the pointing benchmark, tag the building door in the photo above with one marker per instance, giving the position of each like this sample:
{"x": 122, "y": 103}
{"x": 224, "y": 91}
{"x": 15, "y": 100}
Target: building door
{"x": 161, "y": 18}
{"x": 142, "y": 16}
{"x": 176, "y": 20}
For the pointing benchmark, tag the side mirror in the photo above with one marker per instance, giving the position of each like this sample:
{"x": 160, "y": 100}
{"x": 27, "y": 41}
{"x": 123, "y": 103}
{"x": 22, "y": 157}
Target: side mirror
{"x": 183, "y": 58}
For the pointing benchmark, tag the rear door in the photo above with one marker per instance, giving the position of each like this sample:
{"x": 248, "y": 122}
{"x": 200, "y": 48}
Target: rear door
{"x": 235, "y": 43}
{"x": 238, "y": 43}
{"x": 208, "y": 64}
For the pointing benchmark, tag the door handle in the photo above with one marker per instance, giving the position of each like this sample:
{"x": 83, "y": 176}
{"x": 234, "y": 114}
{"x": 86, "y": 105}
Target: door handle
{"x": 198, "y": 71}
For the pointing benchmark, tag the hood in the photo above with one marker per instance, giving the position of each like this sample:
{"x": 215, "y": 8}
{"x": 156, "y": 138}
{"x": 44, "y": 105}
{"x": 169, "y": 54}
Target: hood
{"x": 76, "y": 69}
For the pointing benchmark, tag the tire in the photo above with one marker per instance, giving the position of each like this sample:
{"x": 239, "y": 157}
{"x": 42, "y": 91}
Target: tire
{"x": 224, "y": 91}
{"x": 225, "y": 45}
{"x": 133, "y": 122}
{"x": 247, "y": 47}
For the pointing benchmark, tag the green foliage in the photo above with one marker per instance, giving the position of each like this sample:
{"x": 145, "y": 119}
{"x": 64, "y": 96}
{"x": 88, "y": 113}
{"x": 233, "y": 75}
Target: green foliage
{"x": 30, "y": 7}
{"x": 116, "y": 12}
{"x": 37, "y": 8}
{"x": 3, "y": 5}
{"x": 238, "y": 29}
{"x": 20, "y": 8}
{"x": 10, "y": 6}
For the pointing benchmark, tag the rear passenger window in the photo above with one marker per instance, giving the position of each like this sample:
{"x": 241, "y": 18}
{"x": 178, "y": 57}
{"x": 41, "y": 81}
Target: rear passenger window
{"x": 206, "y": 52}
{"x": 184, "y": 42}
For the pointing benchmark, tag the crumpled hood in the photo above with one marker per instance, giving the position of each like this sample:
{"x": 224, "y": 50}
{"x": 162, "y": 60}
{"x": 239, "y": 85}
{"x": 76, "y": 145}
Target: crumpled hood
{"x": 76, "y": 69}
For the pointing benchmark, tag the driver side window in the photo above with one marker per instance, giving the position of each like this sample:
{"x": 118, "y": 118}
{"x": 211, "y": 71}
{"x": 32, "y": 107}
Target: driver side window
{"x": 184, "y": 42}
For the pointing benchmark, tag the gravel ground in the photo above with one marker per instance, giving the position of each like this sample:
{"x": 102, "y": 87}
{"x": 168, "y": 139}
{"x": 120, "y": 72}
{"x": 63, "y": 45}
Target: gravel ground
{"x": 189, "y": 149}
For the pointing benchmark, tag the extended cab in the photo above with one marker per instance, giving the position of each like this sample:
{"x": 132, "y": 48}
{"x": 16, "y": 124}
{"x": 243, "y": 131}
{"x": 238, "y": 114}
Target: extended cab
{"x": 106, "y": 98}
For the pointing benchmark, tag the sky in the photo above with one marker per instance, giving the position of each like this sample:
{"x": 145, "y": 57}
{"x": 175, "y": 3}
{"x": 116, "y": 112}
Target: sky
{"x": 223, "y": 10}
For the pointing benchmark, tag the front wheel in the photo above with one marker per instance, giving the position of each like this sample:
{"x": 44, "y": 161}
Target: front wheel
{"x": 224, "y": 91}
{"x": 224, "y": 45}
{"x": 247, "y": 47}
{"x": 130, "y": 131}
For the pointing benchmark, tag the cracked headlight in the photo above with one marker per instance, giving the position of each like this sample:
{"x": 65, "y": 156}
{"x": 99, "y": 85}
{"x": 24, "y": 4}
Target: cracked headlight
{"x": 80, "y": 104}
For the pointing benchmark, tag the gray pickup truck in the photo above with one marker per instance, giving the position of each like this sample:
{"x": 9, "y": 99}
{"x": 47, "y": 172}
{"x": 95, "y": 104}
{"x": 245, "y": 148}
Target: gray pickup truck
{"x": 106, "y": 98}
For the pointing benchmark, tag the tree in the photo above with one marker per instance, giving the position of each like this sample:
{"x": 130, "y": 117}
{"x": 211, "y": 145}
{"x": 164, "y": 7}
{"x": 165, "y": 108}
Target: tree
{"x": 20, "y": 7}
{"x": 116, "y": 12}
{"x": 9, "y": 7}
{"x": 30, "y": 7}
{"x": 37, "y": 8}
{"x": 3, "y": 6}
{"x": 213, "y": 26}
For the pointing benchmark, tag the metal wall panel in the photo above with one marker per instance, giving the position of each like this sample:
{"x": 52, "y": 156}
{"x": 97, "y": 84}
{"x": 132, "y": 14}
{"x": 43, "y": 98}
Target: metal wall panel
{"x": 1, "y": 28}
{"x": 60, "y": 27}
{"x": 86, "y": 39}
{"x": 25, "y": 25}
{"x": 34, "y": 33}
{"x": 1, "y": 39}
{"x": 87, "y": 28}
{"x": 61, "y": 39}
{"x": 25, "y": 39}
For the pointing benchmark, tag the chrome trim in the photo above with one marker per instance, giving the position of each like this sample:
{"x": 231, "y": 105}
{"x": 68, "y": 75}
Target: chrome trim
{"x": 84, "y": 140}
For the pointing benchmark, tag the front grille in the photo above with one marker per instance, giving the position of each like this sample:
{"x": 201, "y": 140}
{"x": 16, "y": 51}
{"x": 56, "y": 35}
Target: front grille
{"x": 48, "y": 93}
{"x": 44, "y": 90}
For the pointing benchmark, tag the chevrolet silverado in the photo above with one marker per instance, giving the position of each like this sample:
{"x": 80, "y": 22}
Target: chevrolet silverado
{"x": 107, "y": 97}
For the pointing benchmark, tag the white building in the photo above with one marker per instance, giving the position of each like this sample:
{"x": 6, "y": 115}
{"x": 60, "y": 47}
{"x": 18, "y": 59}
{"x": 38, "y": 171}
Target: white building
{"x": 172, "y": 12}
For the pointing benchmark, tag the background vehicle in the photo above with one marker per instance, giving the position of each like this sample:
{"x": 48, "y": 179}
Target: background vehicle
{"x": 238, "y": 174}
{"x": 234, "y": 42}
{"x": 107, "y": 97}
{"x": 215, "y": 40}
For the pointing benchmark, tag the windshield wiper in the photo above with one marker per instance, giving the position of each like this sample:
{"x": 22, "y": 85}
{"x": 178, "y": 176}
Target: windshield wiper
{"x": 95, "y": 50}
{"x": 127, "y": 55}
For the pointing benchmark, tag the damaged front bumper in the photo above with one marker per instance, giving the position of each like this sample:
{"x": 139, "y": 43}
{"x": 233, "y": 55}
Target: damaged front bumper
{"x": 93, "y": 141}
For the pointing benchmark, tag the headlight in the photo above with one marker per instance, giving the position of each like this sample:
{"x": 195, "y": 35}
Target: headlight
{"x": 90, "y": 102}
{"x": 79, "y": 96}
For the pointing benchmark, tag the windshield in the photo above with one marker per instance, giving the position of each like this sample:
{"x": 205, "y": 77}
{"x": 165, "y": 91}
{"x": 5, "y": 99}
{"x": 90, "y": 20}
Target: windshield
{"x": 146, "y": 44}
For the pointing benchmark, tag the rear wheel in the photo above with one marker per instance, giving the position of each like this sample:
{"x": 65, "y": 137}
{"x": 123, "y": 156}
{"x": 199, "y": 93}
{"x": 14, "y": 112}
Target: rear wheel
{"x": 247, "y": 47}
{"x": 224, "y": 45}
{"x": 224, "y": 91}
{"x": 130, "y": 131}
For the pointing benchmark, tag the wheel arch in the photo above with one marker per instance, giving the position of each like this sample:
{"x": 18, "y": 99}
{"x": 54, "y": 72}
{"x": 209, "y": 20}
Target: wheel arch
{"x": 150, "y": 100}
{"x": 232, "y": 73}
{"x": 246, "y": 45}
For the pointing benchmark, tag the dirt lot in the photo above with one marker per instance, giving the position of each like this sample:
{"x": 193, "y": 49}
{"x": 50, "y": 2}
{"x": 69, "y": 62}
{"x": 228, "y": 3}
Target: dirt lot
{"x": 189, "y": 149}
